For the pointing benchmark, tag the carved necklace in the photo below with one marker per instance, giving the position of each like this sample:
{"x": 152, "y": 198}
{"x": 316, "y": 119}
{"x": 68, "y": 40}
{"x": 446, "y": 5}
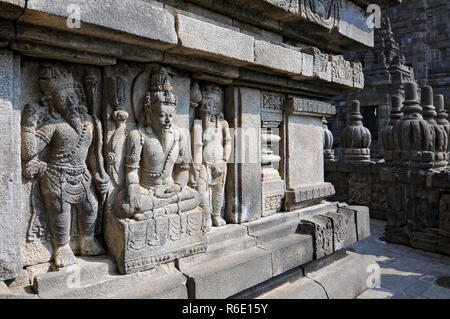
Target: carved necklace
{"x": 169, "y": 153}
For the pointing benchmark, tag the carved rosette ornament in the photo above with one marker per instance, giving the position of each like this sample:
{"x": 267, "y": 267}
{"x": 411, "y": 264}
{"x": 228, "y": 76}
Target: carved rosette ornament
{"x": 387, "y": 133}
{"x": 355, "y": 138}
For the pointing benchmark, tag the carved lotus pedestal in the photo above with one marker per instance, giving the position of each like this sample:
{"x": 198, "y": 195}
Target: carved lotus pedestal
{"x": 142, "y": 245}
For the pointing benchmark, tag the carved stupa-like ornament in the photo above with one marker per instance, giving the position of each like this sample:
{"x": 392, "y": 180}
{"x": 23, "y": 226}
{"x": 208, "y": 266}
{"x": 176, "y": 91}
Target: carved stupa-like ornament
{"x": 355, "y": 138}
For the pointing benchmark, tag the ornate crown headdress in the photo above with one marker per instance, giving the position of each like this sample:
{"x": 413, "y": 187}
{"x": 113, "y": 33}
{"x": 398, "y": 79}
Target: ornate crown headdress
{"x": 161, "y": 91}
{"x": 214, "y": 92}
{"x": 55, "y": 77}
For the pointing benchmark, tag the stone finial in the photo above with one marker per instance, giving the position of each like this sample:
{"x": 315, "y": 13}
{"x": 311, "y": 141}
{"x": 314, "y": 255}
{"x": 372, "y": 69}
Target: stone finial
{"x": 411, "y": 105}
{"x": 396, "y": 109}
{"x": 355, "y": 138}
{"x": 328, "y": 152}
{"x": 419, "y": 142}
{"x": 442, "y": 114}
{"x": 387, "y": 133}
{"x": 428, "y": 109}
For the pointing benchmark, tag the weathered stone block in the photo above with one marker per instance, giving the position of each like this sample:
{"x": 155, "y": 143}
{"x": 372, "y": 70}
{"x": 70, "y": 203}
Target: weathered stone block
{"x": 208, "y": 40}
{"x": 127, "y": 21}
{"x": 223, "y": 277}
{"x": 321, "y": 230}
{"x": 298, "y": 197}
{"x": 199, "y": 64}
{"x": 72, "y": 276}
{"x": 243, "y": 112}
{"x": 142, "y": 245}
{"x": 345, "y": 278}
{"x": 278, "y": 58}
{"x": 362, "y": 221}
{"x": 11, "y": 9}
{"x": 10, "y": 175}
{"x": 51, "y": 52}
{"x": 290, "y": 251}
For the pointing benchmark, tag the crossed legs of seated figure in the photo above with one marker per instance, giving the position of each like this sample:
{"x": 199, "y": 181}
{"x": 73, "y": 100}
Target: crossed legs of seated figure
{"x": 160, "y": 203}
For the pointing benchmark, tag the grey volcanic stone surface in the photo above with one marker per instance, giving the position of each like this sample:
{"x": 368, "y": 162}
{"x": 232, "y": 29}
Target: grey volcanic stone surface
{"x": 137, "y": 18}
{"x": 10, "y": 251}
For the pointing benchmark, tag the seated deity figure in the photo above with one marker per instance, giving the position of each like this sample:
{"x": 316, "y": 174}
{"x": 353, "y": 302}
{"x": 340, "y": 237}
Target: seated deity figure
{"x": 73, "y": 172}
{"x": 157, "y": 160}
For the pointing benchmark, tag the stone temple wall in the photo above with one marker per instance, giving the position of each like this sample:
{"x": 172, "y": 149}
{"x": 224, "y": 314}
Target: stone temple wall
{"x": 171, "y": 148}
{"x": 422, "y": 29}
{"x": 410, "y": 186}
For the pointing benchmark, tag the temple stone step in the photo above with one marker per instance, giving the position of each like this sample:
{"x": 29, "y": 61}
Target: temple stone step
{"x": 268, "y": 223}
{"x": 289, "y": 252}
{"x": 343, "y": 275}
{"x": 97, "y": 280}
{"x": 235, "y": 239}
{"x": 224, "y": 233}
{"x": 275, "y": 233}
{"x": 228, "y": 275}
{"x": 171, "y": 285}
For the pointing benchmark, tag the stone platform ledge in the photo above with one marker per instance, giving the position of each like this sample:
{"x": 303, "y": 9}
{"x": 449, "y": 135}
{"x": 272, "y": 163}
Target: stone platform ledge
{"x": 343, "y": 275}
{"x": 302, "y": 196}
{"x": 96, "y": 278}
{"x": 273, "y": 245}
{"x": 279, "y": 245}
{"x": 345, "y": 22}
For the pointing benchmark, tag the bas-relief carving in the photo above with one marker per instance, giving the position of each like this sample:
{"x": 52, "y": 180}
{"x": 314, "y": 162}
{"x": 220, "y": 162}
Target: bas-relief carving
{"x": 342, "y": 71}
{"x": 359, "y": 190}
{"x": 329, "y": 231}
{"x": 153, "y": 216}
{"x": 273, "y": 187}
{"x": 61, "y": 152}
{"x": 324, "y": 12}
{"x": 212, "y": 150}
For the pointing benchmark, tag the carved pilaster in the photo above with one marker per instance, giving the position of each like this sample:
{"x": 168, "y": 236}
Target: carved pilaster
{"x": 273, "y": 187}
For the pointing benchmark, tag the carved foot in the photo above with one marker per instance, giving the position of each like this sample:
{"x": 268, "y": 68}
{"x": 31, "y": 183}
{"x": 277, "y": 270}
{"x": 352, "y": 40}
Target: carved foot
{"x": 218, "y": 221}
{"x": 90, "y": 246}
{"x": 64, "y": 256}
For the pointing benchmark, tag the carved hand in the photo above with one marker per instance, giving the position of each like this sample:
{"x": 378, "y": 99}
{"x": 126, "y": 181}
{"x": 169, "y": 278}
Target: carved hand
{"x": 34, "y": 169}
{"x": 102, "y": 183}
{"x": 134, "y": 195}
{"x": 173, "y": 189}
{"x": 30, "y": 115}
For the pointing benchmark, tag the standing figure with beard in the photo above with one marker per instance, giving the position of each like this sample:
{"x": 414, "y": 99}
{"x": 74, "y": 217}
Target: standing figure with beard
{"x": 71, "y": 136}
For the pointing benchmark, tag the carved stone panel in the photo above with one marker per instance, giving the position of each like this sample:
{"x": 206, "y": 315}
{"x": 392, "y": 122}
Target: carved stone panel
{"x": 321, "y": 228}
{"x": 65, "y": 180}
{"x": 325, "y": 13}
{"x": 153, "y": 216}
